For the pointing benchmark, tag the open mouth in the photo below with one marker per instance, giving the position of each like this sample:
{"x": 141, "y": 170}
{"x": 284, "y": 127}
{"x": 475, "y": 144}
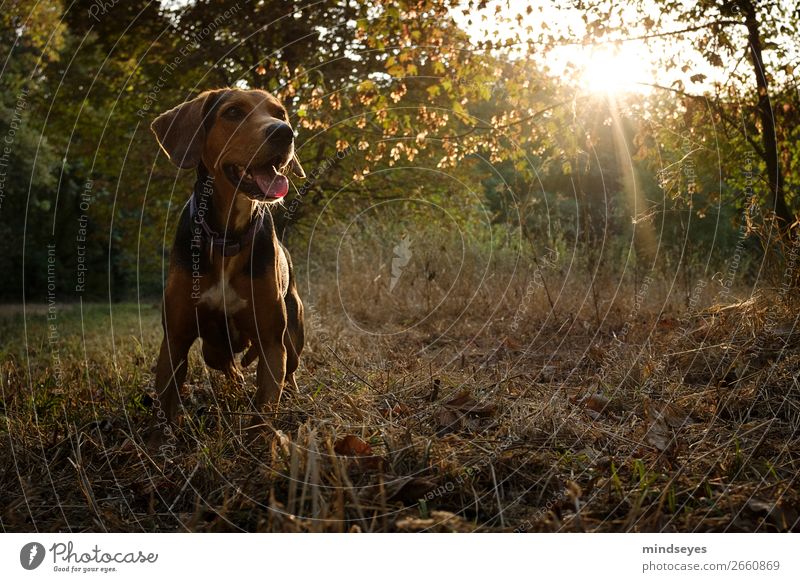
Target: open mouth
{"x": 259, "y": 181}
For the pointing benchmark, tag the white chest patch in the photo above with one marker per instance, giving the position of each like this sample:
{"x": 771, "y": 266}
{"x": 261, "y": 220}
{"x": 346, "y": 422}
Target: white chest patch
{"x": 223, "y": 297}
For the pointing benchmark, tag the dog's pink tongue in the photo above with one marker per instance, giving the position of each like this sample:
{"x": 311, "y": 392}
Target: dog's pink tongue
{"x": 272, "y": 185}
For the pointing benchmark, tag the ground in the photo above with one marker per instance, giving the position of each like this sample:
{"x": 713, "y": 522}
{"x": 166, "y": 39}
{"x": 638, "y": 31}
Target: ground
{"x": 531, "y": 419}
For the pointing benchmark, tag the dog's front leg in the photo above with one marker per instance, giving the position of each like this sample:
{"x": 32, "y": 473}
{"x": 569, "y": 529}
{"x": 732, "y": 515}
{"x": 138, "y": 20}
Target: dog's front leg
{"x": 272, "y": 355}
{"x": 170, "y": 375}
{"x": 180, "y": 331}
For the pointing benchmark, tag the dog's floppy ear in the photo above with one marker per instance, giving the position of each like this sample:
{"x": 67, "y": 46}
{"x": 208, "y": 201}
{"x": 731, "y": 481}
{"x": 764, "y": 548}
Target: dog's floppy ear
{"x": 181, "y": 131}
{"x": 297, "y": 169}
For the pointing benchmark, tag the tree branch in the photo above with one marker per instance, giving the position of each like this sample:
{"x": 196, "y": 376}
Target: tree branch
{"x": 717, "y": 108}
{"x": 695, "y": 28}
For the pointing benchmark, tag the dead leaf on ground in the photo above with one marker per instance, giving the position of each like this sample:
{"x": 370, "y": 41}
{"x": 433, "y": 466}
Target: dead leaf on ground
{"x": 668, "y": 323}
{"x": 462, "y": 412}
{"x": 782, "y": 517}
{"x": 672, "y": 414}
{"x": 659, "y": 434}
{"x": 397, "y": 410}
{"x": 447, "y": 421}
{"x": 352, "y": 446}
{"x": 465, "y": 403}
{"x": 592, "y": 414}
{"x": 594, "y": 404}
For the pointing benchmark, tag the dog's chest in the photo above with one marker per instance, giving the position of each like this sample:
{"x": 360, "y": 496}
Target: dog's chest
{"x": 228, "y": 287}
{"x": 221, "y": 295}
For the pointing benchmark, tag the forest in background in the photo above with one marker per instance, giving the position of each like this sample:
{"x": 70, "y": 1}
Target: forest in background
{"x": 406, "y": 113}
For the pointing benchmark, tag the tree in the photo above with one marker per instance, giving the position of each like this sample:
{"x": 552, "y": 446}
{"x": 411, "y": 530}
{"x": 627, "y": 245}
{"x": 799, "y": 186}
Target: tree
{"x": 724, "y": 32}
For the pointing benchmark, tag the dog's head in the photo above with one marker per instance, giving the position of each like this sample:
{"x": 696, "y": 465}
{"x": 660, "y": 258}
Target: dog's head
{"x": 242, "y": 137}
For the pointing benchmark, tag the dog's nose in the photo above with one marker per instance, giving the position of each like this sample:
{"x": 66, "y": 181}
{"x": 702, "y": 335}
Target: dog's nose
{"x": 280, "y": 134}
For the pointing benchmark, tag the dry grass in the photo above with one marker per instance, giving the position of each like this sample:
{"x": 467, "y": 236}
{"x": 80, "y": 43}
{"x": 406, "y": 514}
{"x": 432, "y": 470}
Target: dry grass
{"x": 454, "y": 402}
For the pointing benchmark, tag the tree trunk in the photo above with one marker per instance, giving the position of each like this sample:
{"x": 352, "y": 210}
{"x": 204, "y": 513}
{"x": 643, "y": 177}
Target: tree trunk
{"x": 765, "y": 116}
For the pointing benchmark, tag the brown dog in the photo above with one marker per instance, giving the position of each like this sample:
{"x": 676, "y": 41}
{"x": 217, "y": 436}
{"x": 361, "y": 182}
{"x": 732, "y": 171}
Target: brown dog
{"x": 230, "y": 280}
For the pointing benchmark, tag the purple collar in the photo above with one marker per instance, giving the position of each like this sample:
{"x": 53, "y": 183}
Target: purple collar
{"x": 229, "y": 247}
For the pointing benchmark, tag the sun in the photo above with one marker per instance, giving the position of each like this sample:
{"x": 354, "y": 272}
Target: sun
{"x": 606, "y": 69}
{"x": 612, "y": 70}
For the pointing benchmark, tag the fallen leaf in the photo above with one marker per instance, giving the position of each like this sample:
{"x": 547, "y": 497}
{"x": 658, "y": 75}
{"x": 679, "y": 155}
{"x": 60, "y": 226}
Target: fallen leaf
{"x": 398, "y": 409}
{"x": 658, "y": 435}
{"x": 448, "y": 421}
{"x": 596, "y": 402}
{"x": 352, "y": 446}
{"x": 658, "y": 432}
{"x": 782, "y": 517}
{"x": 592, "y": 414}
{"x": 464, "y": 402}
{"x": 672, "y": 414}
{"x": 463, "y": 397}
{"x": 667, "y": 323}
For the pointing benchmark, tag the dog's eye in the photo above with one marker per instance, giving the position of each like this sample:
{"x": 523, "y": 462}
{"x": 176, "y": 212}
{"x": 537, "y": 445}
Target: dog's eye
{"x": 233, "y": 113}
{"x": 281, "y": 114}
